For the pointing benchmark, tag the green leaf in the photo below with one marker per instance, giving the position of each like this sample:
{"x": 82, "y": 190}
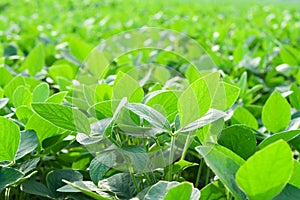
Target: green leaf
{"x": 212, "y": 192}
{"x": 116, "y": 184}
{"x": 103, "y": 92}
{"x": 79, "y": 49}
{"x": 35, "y": 188}
{"x": 86, "y": 187}
{"x": 289, "y": 55}
{"x": 150, "y": 115}
{"x": 285, "y": 135}
{"x": 6, "y": 76}
{"x": 57, "y": 98}
{"x": 61, "y": 70}
{"x": 9, "y": 137}
{"x": 35, "y": 60}
{"x": 181, "y": 165}
{"x": 224, "y": 164}
{"x": 184, "y": 189}
{"x": 9, "y": 176}
{"x": 195, "y": 101}
{"x": 28, "y": 143}
{"x": 295, "y": 96}
{"x": 22, "y": 97}
{"x": 41, "y": 92}
{"x": 290, "y": 192}
{"x": 138, "y": 156}
{"x": 243, "y": 116}
{"x": 211, "y": 116}
{"x": 54, "y": 180}
{"x": 267, "y": 172}
{"x": 164, "y": 102}
{"x": 160, "y": 191}
{"x": 225, "y": 96}
{"x": 100, "y": 165}
{"x": 43, "y": 128}
{"x": 126, "y": 86}
{"x": 295, "y": 178}
{"x": 102, "y": 109}
{"x": 24, "y": 113}
{"x": 63, "y": 116}
{"x": 276, "y": 114}
{"x": 240, "y": 139}
{"x": 13, "y": 85}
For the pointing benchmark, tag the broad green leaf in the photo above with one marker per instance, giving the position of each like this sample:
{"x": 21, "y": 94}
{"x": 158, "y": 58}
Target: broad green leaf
{"x": 28, "y": 165}
{"x": 41, "y": 92}
{"x": 35, "y": 188}
{"x": 289, "y": 55}
{"x": 9, "y": 176}
{"x": 61, "y": 70}
{"x": 6, "y": 76}
{"x": 267, "y": 172}
{"x": 184, "y": 189}
{"x": 276, "y": 114}
{"x": 28, "y": 143}
{"x": 243, "y": 116}
{"x": 164, "y": 102}
{"x": 57, "y": 98}
{"x": 97, "y": 64}
{"x": 1, "y": 93}
{"x": 103, "y": 92}
{"x": 285, "y": 135}
{"x": 161, "y": 74}
{"x": 100, "y": 165}
{"x": 116, "y": 184}
{"x": 79, "y": 49}
{"x": 24, "y": 113}
{"x": 295, "y": 178}
{"x": 192, "y": 74}
{"x": 211, "y": 116}
{"x": 63, "y": 116}
{"x": 160, "y": 191}
{"x": 86, "y": 187}
{"x": 43, "y": 128}
{"x": 242, "y": 83}
{"x": 225, "y": 96}
{"x": 240, "y": 139}
{"x": 3, "y": 102}
{"x": 195, "y": 101}
{"x": 9, "y": 137}
{"x": 212, "y": 192}
{"x": 210, "y": 132}
{"x": 55, "y": 179}
{"x": 290, "y": 192}
{"x": 181, "y": 165}
{"x": 22, "y": 97}
{"x": 149, "y": 114}
{"x": 126, "y": 86}
{"x": 102, "y": 109}
{"x": 224, "y": 164}
{"x": 295, "y": 96}
{"x": 13, "y": 85}
{"x": 35, "y": 60}
{"x": 137, "y": 156}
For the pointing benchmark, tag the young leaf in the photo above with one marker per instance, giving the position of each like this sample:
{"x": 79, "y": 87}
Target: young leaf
{"x": 57, "y": 98}
{"x": 41, "y": 92}
{"x": 13, "y": 85}
{"x": 240, "y": 139}
{"x": 243, "y": 116}
{"x": 35, "y": 60}
{"x": 9, "y": 137}
{"x": 184, "y": 189}
{"x": 267, "y": 172}
{"x": 63, "y": 116}
{"x": 276, "y": 114}
{"x": 212, "y": 192}
{"x": 22, "y": 96}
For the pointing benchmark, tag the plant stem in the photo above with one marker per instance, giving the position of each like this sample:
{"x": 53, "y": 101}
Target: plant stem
{"x": 131, "y": 171}
{"x": 7, "y": 192}
{"x": 207, "y": 175}
{"x": 171, "y": 157}
{"x": 186, "y": 146}
{"x": 199, "y": 173}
